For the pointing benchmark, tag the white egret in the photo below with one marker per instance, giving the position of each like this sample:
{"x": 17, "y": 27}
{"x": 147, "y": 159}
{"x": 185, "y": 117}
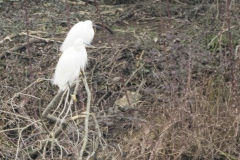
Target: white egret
{"x": 83, "y": 30}
{"x": 71, "y": 61}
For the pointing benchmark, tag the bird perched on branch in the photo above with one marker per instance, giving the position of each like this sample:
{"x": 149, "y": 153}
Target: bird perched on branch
{"x": 83, "y": 30}
{"x": 70, "y": 63}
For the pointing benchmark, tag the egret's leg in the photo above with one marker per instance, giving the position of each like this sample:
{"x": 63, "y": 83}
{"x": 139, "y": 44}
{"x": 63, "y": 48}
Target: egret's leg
{"x": 73, "y": 96}
{"x": 69, "y": 88}
{"x": 82, "y": 73}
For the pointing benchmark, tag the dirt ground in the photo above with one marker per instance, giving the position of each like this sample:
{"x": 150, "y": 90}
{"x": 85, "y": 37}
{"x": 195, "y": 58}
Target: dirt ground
{"x": 164, "y": 80}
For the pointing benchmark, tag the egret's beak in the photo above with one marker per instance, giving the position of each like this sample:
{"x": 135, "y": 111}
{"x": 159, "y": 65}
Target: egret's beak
{"x": 96, "y": 26}
{"x": 89, "y": 45}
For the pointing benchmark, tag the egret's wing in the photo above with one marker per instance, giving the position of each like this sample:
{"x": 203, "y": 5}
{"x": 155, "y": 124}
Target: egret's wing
{"x": 67, "y": 69}
{"x": 79, "y": 30}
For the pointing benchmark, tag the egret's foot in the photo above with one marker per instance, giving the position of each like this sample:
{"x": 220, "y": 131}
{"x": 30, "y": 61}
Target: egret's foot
{"x": 78, "y": 117}
{"x": 73, "y": 96}
{"x": 82, "y": 73}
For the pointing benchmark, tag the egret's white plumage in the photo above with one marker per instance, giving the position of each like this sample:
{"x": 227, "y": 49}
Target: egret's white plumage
{"x": 71, "y": 61}
{"x": 83, "y": 30}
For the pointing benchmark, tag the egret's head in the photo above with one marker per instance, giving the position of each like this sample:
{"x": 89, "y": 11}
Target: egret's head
{"x": 80, "y": 43}
{"x": 88, "y": 23}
